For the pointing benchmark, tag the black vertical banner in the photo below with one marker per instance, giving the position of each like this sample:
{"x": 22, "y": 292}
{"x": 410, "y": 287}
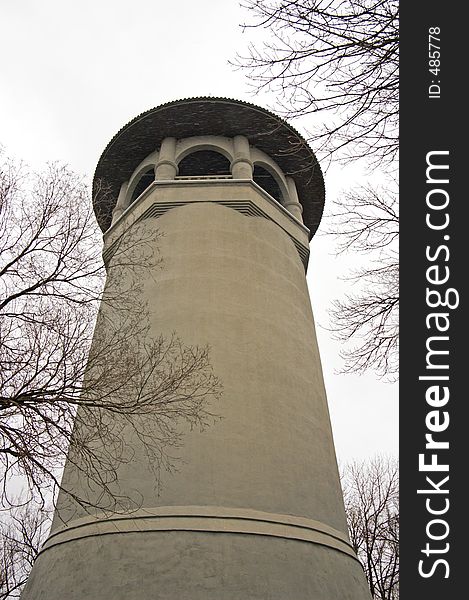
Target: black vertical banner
{"x": 434, "y": 321}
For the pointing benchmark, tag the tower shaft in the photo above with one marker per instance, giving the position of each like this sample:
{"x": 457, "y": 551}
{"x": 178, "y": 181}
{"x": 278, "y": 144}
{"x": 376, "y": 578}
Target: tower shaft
{"x": 255, "y": 508}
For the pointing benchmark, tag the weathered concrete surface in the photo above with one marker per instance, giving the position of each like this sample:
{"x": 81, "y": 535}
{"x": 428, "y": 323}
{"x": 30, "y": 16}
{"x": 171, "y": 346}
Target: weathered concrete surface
{"x": 199, "y": 566}
{"x": 256, "y": 509}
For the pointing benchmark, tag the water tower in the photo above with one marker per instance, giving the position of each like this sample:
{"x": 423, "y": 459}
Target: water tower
{"x": 256, "y": 509}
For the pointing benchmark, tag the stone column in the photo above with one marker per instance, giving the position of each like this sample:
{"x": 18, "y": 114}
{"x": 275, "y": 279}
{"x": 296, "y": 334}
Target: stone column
{"x": 166, "y": 167}
{"x": 120, "y": 204}
{"x": 241, "y": 166}
{"x": 293, "y": 204}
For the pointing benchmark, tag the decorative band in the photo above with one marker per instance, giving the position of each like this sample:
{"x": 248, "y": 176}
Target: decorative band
{"x": 294, "y": 204}
{"x": 243, "y": 159}
{"x": 167, "y": 161}
{"x": 205, "y": 519}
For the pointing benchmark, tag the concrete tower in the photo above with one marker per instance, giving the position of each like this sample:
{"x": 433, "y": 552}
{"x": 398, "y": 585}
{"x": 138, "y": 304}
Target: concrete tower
{"x": 255, "y": 512}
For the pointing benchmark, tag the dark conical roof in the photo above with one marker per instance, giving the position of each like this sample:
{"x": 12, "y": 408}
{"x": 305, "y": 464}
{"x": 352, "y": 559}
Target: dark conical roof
{"x": 209, "y": 116}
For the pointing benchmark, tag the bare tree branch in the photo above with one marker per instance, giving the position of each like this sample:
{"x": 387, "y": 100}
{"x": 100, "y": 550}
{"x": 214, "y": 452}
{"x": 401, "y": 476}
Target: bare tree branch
{"x": 336, "y": 62}
{"x": 371, "y": 494}
{"x": 366, "y": 221}
{"x": 58, "y": 398}
{"x": 22, "y": 532}
{"x": 335, "y": 58}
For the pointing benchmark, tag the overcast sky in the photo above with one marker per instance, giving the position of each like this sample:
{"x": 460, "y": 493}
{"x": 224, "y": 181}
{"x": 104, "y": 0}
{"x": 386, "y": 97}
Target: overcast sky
{"x": 74, "y": 72}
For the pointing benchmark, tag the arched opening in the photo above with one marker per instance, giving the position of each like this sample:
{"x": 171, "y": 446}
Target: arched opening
{"x": 267, "y": 182}
{"x": 145, "y": 180}
{"x": 204, "y": 162}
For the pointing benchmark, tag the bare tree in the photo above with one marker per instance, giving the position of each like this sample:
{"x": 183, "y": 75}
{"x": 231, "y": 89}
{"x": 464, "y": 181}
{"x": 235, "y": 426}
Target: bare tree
{"x": 21, "y": 536}
{"x": 57, "y": 398}
{"x": 371, "y": 494}
{"x": 366, "y": 221}
{"x": 334, "y": 57}
{"x": 336, "y": 62}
